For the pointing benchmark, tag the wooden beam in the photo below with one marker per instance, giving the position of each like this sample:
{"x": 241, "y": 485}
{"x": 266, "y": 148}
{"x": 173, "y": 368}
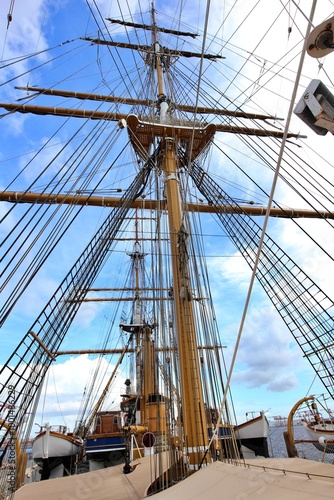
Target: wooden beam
{"x": 108, "y": 201}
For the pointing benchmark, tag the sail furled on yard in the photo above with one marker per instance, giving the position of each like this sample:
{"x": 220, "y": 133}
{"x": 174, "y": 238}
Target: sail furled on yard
{"x": 306, "y": 310}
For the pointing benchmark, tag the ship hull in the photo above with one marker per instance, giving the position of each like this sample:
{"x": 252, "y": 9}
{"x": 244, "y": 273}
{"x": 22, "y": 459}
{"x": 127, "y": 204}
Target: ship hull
{"x": 321, "y": 434}
{"x": 105, "y": 451}
{"x": 55, "y": 453}
{"x": 253, "y": 437}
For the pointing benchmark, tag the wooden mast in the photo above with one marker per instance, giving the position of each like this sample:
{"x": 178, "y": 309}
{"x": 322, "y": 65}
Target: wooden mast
{"x": 193, "y": 412}
{"x": 146, "y": 384}
{"x": 144, "y": 344}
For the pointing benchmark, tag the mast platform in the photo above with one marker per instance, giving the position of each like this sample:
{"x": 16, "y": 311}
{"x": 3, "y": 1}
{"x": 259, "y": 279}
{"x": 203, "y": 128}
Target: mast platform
{"x": 195, "y": 137}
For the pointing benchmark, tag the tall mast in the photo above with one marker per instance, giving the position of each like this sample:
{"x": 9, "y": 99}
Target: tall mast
{"x": 193, "y": 411}
{"x": 137, "y": 312}
{"x": 163, "y": 105}
{"x": 144, "y": 349}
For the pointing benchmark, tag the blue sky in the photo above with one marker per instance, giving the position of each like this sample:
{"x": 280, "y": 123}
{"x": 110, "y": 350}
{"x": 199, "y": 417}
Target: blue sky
{"x": 270, "y": 371}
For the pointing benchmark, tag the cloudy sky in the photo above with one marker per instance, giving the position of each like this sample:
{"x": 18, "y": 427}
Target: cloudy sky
{"x": 270, "y": 371}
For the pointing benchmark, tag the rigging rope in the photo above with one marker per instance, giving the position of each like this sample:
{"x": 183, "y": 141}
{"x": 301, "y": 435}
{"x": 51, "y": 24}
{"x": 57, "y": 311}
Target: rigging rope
{"x": 263, "y": 234}
{"x": 48, "y": 245}
{"x": 34, "y": 352}
{"x": 10, "y": 13}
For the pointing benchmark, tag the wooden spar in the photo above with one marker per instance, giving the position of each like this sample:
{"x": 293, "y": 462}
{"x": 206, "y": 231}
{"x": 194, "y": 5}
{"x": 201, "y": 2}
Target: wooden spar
{"x": 119, "y": 351}
{"x": 126, "y": 289}
{"x": 149, "y": 49}
{"x": 113, "y": 299}
{"x": 150, "y": 28}
{"x": 255, "y": 131}
{"x": 145, "y": 102}
{"x": 122, "y": 299}
{"x": 105, "y": 115}
{"x": 91, "y": 351}
{"x": 225, "y": 112}
{"x": 39, "y": 341}
{"x": 75, "y": 113}
{"x": 88, "y": 96}
{"x": 107, "y": 201}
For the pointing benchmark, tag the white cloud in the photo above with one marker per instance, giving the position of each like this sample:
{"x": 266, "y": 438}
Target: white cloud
{"x": 232, "y": 270}
{"x": 266, "y": 351}
{"x": 66, "y": 386}
{"x": 24, "y": 34}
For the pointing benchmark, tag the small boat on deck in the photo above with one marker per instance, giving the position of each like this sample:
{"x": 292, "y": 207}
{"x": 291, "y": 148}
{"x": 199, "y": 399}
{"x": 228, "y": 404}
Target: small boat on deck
{"x": 321, "y": 432}
{"x": 253, "y": 437}
{"x": 56, "y": 451}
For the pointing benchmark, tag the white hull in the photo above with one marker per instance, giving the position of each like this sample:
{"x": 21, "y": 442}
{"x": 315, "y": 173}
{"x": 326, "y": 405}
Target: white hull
{"x": 49, "y": 444}
{"x": 255, "y": 428}
{"x": 252, "y": 436}
{"x": 322, "y": 434}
